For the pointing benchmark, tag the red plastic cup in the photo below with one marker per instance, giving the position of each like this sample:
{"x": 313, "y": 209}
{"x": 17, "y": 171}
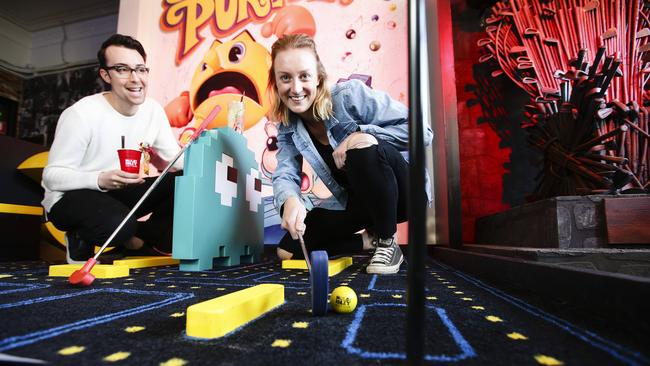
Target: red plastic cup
{"x": 129, "y": 160}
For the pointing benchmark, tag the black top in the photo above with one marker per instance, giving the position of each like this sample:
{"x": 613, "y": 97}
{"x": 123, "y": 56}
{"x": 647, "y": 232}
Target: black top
{"x": 325, "y": 151}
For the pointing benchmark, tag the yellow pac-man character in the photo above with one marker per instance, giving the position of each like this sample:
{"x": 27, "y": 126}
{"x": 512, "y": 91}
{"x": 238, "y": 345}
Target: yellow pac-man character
{"x": 234, "y": 70}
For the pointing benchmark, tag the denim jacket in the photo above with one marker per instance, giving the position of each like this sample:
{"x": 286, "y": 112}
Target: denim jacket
{"x": 355, "y": 107}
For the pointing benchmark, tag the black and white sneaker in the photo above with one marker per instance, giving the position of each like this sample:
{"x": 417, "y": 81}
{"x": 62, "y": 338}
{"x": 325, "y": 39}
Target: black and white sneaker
{"x": 77, "y": 250}
{"x": 387, "y": 258}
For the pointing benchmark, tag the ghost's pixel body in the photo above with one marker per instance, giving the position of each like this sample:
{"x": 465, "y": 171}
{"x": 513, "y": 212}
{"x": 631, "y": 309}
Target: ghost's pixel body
{"x": 218, "y": 211}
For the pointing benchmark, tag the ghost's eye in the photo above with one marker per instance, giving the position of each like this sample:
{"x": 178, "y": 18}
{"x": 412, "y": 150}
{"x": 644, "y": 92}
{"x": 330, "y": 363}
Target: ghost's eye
{"x": 254, "y": 190}
{"x": 237, "y": 52}
{"x": 225, "y": 180}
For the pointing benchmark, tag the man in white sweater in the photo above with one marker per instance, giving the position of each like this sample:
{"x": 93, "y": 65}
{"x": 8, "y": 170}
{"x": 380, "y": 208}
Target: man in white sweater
{"x": 86, "y": 193}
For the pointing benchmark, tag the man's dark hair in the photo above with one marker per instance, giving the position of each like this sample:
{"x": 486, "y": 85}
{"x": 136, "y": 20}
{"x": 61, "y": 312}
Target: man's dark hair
{"x": 122, "y": 41}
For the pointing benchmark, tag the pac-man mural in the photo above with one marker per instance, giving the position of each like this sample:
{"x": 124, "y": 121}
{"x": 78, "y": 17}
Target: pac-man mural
{"x": 218, "y": 215}
{"x": 234, "y": 70}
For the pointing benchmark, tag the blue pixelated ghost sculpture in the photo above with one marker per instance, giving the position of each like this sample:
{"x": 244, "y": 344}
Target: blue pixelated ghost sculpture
{"x": 218, "y": 212}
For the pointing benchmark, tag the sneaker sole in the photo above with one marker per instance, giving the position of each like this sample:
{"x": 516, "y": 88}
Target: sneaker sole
{"x": 384, "y": 269}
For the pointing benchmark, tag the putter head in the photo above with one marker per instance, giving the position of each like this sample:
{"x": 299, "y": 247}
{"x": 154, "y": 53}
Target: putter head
{"x": 82, "y": 276}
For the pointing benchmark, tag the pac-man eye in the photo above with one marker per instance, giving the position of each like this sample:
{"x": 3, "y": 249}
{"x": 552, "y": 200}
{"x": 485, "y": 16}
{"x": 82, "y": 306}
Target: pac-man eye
{"x": 204, "y": 66}
{"x": 237, "y": 52}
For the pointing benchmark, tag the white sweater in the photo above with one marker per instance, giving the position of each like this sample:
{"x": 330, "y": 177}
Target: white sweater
{"x": 88, "y": 136}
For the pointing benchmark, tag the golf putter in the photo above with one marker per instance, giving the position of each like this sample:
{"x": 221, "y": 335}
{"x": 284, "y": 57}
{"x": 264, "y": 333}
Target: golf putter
{"x": 318, "y": 268}
{"x": 82, "y": 276}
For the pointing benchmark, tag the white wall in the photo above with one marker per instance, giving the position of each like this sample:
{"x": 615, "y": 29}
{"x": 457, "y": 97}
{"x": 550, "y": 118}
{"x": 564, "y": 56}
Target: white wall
{"x": 58, "y": 47}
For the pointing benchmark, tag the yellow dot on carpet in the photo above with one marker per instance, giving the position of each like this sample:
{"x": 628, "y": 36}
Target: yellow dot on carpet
{"x": 432, "y": 298}
{"x": 128, "y": 279}
{"x": 284, "y": 278}
{"x": 494, "y": 319}
{"x": 548, "y": 360}
{"x": 32, "y": 279}
{"x": 204, "y": 275}
{"x": 174, "y": 362}
{"x": 28, "y": 274}
{"x": 282, "y": 343}
{"x": 71, "y": 350}
{"x": 451, "y": 286}
{"x": 344, "y": 283}
{"x": 177, "y": 315}
{"x": 151, "y": 276}
{"x": 458, "y": 292}
{"x": 169, "y": 273}
{"x": 300, "y": 324}
{"x": 516, "y": 336}
{"x": 171, "y": 286}
{"x": 397, "y": 296}
{"x": 476, "y": 307}
{"x": 221, "y": 288}
{"x": 106, "y": 282}
{"x": 466, "y": 299}
{"x": 117, "y": 356}
{"x": 133, "y": 329}
{"x": 195, "y": 287}
{"x": 186, "y": 274}
{"x": 128, "y": 284}
{"x": 301, "y": 293}
{"x": 150, "y": 284}
{"x": 365, "y": 295}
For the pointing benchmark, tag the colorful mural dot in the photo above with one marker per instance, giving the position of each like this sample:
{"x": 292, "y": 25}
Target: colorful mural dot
{"x": 174, "y": 362}
{"x": 346, "y": 2}
{"x": 71, "y": 350}
{"x": 375, "y": 18}
{"x": 282, "y": 343}
{"x": 347, "y": 57}
{"x": 375, "y": 46}
{"x": 391, "y": 24}
{"x": 392, "y": 7}
{"x": 350, "y": 34}
{"x": 548, "y": 360}
{"x": 117, "y": 356}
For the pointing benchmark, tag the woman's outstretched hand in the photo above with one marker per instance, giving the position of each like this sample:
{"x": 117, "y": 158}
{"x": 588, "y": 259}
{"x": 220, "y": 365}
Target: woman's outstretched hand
{"x": 356, "y": 140}
{"x": 293, "y": 217}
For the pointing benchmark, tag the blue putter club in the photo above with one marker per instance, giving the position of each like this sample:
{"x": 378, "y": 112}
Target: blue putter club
{"x": 318, "y": 268}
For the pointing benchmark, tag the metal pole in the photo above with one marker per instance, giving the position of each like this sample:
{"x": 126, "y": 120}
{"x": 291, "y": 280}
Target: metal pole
{"x": 415, "y": 319}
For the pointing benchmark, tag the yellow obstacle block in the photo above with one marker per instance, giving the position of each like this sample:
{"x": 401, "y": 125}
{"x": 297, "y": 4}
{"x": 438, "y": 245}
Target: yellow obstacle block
{"x": 335, "y": 266}
{"x": 219, "y": 316}
{"x": 99, "y": 270}
{"x": 143, "y": 262}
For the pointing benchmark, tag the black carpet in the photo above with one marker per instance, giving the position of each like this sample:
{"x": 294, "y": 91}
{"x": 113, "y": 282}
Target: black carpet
{"x": 140, "y": 320}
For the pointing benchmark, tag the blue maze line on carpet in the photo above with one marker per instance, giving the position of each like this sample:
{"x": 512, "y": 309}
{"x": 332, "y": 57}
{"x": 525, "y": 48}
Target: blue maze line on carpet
{"x": 373, "y": 283}
{"x": 22, "y": 287}
{"x": 30, "y": 338}
{"x": 617, "y": 351}
{"x": 466, "y": 350}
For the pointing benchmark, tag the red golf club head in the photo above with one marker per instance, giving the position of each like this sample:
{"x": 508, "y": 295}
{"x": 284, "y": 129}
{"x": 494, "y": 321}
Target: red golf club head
{"x": 82, "y": 276}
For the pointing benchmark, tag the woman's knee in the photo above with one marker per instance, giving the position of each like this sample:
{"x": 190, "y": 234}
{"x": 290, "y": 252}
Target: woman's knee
{"x": 284, "y": 255}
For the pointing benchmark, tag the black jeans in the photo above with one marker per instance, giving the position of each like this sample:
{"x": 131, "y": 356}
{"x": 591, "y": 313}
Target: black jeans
{"x": 95, "y": 215}
{"x": 378, "y": 179}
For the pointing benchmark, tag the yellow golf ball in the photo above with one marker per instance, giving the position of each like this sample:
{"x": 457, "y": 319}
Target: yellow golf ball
{"x": 343, "y": 300}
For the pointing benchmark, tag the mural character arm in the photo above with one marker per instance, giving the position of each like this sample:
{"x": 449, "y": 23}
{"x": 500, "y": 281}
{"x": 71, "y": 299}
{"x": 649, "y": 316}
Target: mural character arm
{"x": 178, "y": 110}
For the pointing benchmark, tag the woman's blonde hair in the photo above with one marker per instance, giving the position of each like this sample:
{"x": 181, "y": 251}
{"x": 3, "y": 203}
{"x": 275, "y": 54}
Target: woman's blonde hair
{"x": 322, "y": 107}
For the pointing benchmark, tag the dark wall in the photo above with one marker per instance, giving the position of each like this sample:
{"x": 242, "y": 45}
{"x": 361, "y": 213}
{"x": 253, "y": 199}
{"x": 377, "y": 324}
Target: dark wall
{"x": 45, "y": 97}
{"x": 498, "y": 166}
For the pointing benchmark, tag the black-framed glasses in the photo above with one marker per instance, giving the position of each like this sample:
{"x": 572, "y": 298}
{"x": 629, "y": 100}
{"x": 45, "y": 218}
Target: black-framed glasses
{"x": 124, "y": 71}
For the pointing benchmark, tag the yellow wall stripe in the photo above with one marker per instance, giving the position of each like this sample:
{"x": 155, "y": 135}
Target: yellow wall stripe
{"x": 21, "y": 209}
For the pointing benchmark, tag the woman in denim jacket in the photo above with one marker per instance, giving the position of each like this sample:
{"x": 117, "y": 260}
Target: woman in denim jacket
{"x": 351, "y": 136}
